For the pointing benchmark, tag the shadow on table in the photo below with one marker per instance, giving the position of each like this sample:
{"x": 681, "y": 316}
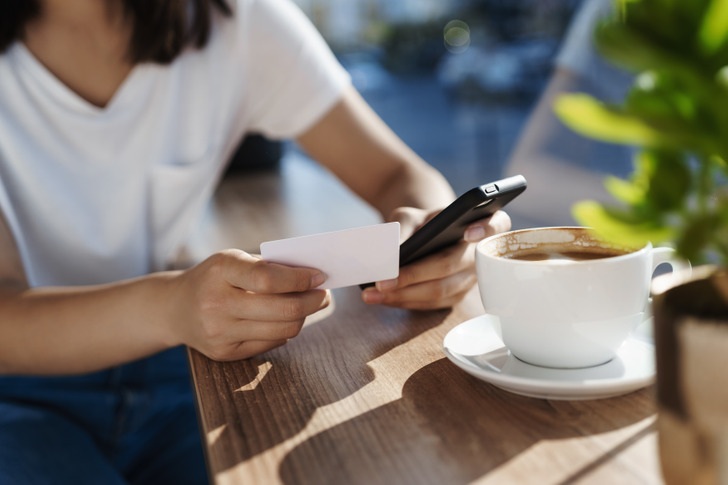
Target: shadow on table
{"x": 432, "y": 425}
{"x": 324, "y": 364}
{"x": 443, "y": 416}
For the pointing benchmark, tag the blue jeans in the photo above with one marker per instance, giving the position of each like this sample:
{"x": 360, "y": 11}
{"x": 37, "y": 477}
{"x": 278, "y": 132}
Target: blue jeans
{"x": 132, "y": 424}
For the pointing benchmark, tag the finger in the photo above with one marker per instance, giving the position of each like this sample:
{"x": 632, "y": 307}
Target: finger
{"x": 246, "y": 305}
{"x": 432, "y": 294}
{"x": 244, "y": 330}
{"x": 451, "y": 260}
{"x": 409, "y": 218}
{"x": 251, "y": 348}
{"x": 226, "y": 337}
{"x": 243, "y": 270}
{"x": 429, "y": 295}
{"x": 499, "y": 222}
{"x": 244, "y": 350}
{"x": 429, "y": 304}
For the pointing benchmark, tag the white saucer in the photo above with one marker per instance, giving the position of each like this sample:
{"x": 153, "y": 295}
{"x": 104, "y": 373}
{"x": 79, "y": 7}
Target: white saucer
{"x": 475, "y": 347}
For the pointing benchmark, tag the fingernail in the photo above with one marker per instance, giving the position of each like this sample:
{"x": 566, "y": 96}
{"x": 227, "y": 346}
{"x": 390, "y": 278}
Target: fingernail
{"x": 387, "y": 284}
{"x": 474, "y": 234}
{"x": 317, "y": 280}
{"x": 372, "y": 296}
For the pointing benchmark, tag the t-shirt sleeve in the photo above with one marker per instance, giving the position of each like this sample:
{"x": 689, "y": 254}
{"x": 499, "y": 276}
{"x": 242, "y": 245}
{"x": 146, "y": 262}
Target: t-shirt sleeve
{"x": 292, "y": 77}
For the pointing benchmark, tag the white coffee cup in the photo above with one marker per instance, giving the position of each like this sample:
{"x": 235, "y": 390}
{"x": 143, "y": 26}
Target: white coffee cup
{"x": 562, "y": 312}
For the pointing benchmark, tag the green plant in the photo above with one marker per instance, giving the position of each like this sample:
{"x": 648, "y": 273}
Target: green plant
{"x": 677, "y": 113}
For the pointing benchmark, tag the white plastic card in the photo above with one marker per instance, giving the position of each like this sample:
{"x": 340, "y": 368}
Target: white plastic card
{"x": 348, "y": 257}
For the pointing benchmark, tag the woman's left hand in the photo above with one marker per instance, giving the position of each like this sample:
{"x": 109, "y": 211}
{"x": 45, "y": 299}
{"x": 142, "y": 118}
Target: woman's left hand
{"x": 439, "y": 280}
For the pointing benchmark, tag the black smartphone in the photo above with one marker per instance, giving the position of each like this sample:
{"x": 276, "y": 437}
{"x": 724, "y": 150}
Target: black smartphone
{"x": 448, "y": 226}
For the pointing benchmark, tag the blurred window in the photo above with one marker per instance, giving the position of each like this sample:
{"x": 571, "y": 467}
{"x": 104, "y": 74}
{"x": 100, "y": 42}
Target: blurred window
{"x": 456, "y": 80}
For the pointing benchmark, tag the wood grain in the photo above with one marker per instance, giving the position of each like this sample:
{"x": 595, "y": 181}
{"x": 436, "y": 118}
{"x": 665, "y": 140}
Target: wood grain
{"x": 365, "y": 395}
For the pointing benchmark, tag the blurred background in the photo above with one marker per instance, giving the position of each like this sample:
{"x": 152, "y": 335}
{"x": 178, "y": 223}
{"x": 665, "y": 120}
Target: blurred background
{"x": 460, "y": 80}
{"x": 454, "y": 79}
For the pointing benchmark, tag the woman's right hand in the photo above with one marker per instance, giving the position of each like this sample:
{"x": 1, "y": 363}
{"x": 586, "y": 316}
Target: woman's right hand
{"x": 234, "y": 305}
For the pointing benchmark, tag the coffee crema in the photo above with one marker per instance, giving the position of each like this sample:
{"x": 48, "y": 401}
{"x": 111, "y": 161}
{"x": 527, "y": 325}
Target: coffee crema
{"x": 561, "y": 253}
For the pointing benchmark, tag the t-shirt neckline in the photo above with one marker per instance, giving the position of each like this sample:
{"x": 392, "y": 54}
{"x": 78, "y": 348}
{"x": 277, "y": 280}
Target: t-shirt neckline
{"x": 63, "y": 93}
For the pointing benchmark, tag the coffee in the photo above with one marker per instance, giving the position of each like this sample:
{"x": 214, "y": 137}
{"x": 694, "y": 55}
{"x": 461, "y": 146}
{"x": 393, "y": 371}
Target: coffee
{"x": 564, "y": 253}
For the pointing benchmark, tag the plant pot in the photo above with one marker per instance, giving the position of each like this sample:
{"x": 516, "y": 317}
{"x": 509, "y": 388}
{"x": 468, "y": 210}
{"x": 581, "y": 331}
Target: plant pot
{"x": 691, "y": 342}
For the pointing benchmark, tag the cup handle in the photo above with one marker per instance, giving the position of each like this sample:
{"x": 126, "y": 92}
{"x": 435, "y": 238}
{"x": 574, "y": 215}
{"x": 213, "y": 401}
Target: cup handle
{"x": 681, "y": 268}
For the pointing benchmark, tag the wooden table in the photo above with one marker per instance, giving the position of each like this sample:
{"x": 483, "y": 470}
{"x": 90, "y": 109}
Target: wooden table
{"x": 365, "y": 395}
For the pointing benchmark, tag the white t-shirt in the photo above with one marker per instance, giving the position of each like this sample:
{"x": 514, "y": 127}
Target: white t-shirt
{"x": 94, "y": 195}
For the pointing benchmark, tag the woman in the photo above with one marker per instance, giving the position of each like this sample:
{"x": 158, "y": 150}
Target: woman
{"x": 116, "y": 118}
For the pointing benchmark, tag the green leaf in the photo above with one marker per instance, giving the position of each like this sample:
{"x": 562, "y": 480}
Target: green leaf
{"x": 659, "y": 96}
{"x": 668, "y": 105}
{"x": 619, "y": 226}
{"x": 669, "y": 178}
{"x": 591, "y": 118}
{"x": 651, "y": 122}
{"x": 625, "y": 191}
{"x": 637, "y": 51}
{"x": 719, "y": 161}
{"x": 678, "y": 191}
{"x": 665, "y": 21}
{"x": 695, "y": 237}
{"x": 714, "y": 30}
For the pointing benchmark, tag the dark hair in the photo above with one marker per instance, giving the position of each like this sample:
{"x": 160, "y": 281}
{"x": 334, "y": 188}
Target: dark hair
{"x": 162, "y": 28}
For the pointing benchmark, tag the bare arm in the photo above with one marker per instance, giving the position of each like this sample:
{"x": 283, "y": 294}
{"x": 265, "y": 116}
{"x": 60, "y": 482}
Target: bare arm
{"x": 230, "y": 306}
{"x": 351, "y": 137}
{"x": 357, "y": 146}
